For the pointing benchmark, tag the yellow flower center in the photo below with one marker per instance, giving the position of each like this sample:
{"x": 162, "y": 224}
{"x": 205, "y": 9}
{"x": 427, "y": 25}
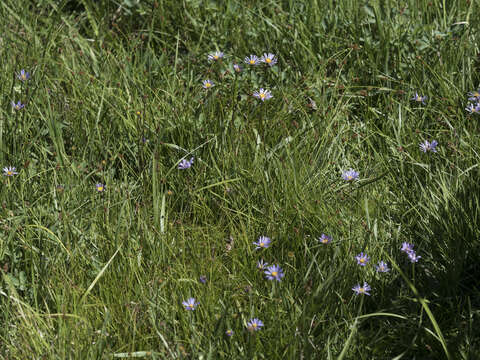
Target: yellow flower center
{"x": 261, "y": 244}
{"x": 274, "y": 273}
{"x": 361, "y": 290}
{"x": 215, "y": 57}
{"x": 362, "y": 260}
{"x": 349, "y": 177}
{"x": 9, "y": 173}
{"x": 325, "y": 240}
{"x": 262, "y": 96}
{"x": 100, "y": 188}
{"x": 23, "y": 76}
{"x": 254, "y": 325}
{"x": 252, "y": 61}
{"x": 268, "y": 60}
{"x": 476, "y": 94}
{"x": 208, "y": 85}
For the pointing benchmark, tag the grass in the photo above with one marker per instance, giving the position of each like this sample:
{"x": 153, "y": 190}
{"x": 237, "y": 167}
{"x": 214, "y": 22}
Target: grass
{"x": 115, "y": 97}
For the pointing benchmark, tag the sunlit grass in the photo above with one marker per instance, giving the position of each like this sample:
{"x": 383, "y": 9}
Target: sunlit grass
{"x": 238, "y": 180}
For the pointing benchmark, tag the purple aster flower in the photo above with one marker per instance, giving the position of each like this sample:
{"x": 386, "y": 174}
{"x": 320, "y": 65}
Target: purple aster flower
{"x": 186, "y": 164}
{"x": 207, "y": 84}
{"x": 18, "y": 105}
{"x": 362, "y": 289}
{"x": 252, "y": 60}
{"x": 474, "y": 96}
{"x": 217, "y": 55}
{"x": 350, "y": 175}
{"x": 203, "y": 279}
{"x": 261, "y": 265}
{"x": 473, "y": 108}
{"x": 269, "y": 59}
{"x": 254, "y": 324}
{"x": 362, "y": 259}
{"x": 382, "y": 267}
{"x": 237, "y": 68}
{"x": 190, "y": 304}
{"x": 100, "y": 187}
{"x": 413, "y": 256}
{"x": 324, "y": 239}
{"x": 406, "y": 247}
{"x": 23, "y": 75}
{"x": 263, "y": 94}
{"x": 262, "y": 242}
{"x": 274, "y": 272}
{"x": 9, "y": 171}
{"x": 419, "y": 98}
{"x": 427, "y": 146}
{"x": 229, "y": 332}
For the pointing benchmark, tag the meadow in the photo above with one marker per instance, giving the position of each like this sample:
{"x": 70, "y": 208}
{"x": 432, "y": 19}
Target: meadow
{"x": 240, "y": 179}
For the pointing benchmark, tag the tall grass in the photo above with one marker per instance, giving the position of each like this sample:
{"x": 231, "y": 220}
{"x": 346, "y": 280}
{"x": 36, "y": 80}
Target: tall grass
{"x": 115, "y": 97}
